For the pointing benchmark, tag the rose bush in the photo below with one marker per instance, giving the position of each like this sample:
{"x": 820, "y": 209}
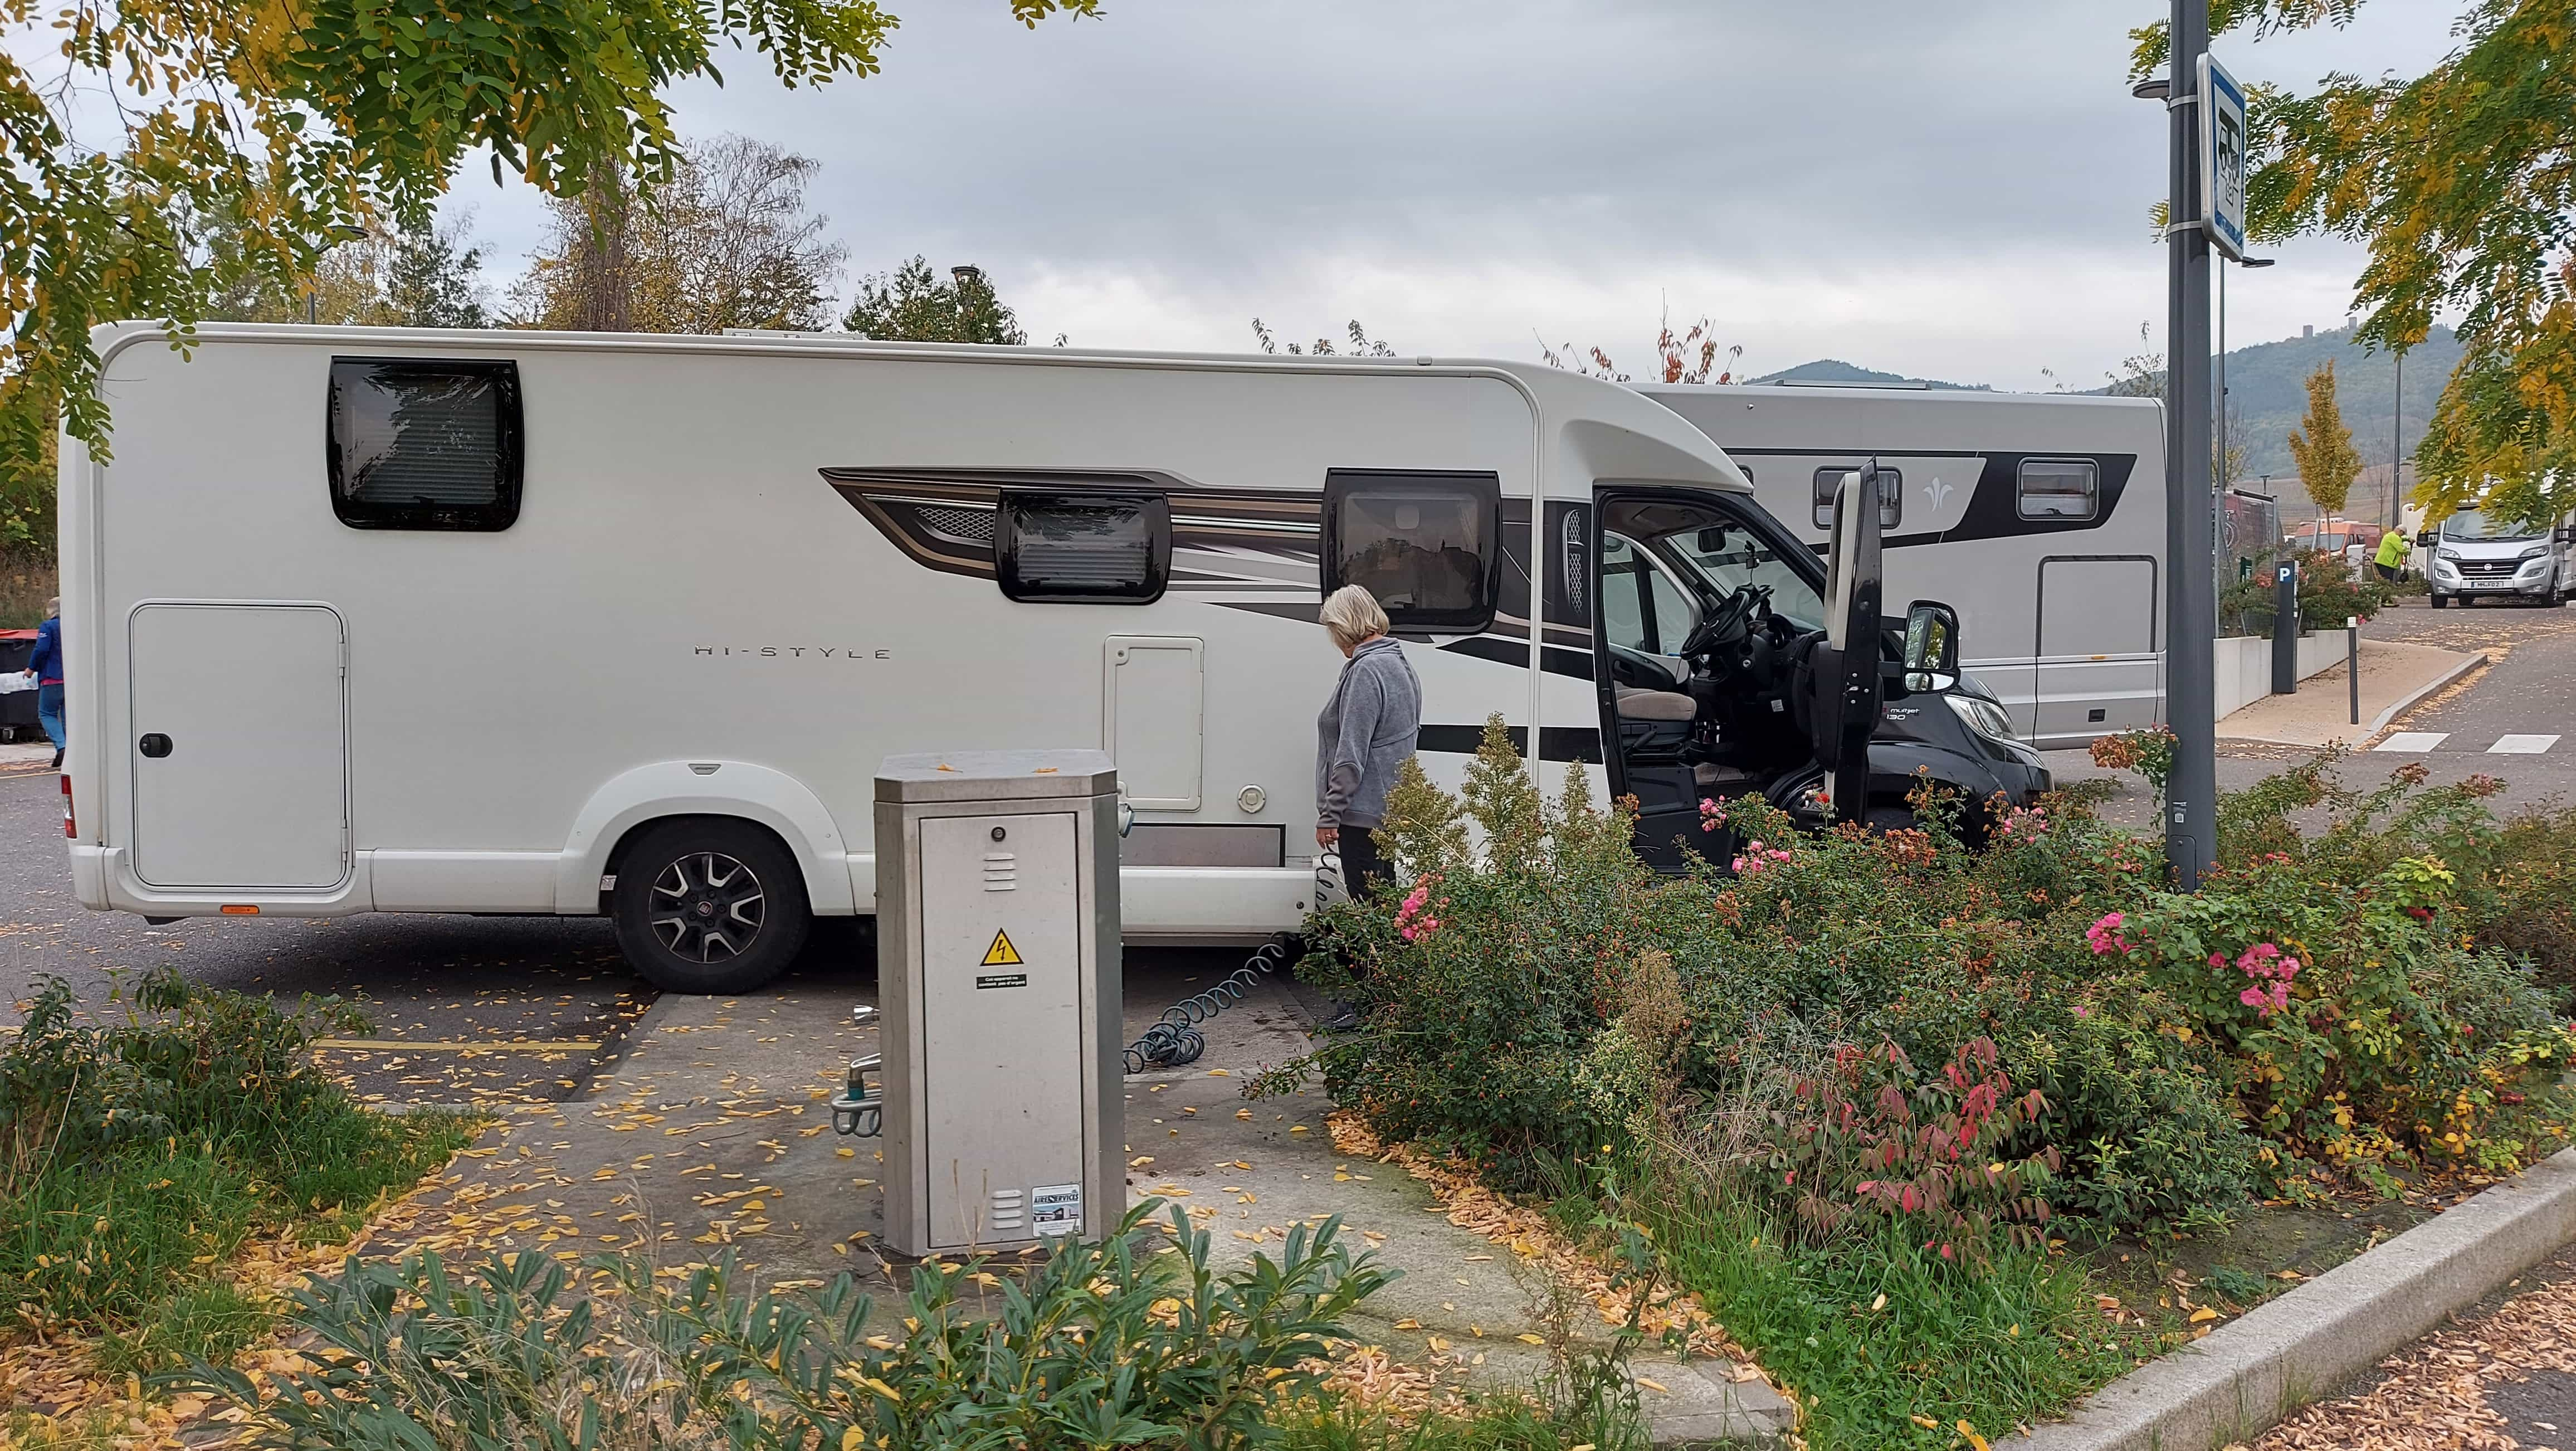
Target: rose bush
{"x": 1538, "y": 998}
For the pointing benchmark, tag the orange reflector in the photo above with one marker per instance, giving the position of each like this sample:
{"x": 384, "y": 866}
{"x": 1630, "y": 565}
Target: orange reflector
{"x": 240, "y": 909}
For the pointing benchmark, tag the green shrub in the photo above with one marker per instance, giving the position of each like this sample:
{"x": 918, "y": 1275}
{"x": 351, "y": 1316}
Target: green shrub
{"x": 2352, "y": 1025}
{"x": 138, "y": 1151}
{"x": 1118, "y": 1342}
{"x": 2148, "y": 1138}
{"x": 178, "y": 1061}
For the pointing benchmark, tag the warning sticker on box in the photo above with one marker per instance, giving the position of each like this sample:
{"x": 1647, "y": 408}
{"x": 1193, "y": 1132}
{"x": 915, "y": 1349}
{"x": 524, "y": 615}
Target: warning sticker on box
{"x": 1055, "y": 1209}
{"x": 1000, "y": 979}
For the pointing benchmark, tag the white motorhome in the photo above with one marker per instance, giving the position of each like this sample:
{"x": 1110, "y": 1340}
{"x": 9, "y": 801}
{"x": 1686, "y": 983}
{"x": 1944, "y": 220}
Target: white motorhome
{"x": 2041, "y": 516}
{"x": 511, "y": 622}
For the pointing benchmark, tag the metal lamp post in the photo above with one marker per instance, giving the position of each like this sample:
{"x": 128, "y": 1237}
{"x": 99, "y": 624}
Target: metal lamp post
{"x": 2191, "y": 624}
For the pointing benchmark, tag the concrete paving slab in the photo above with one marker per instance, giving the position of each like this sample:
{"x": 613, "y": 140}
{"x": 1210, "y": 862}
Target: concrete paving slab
{"x": 711, "y": 1132}
{"x": 2394, "y": 675}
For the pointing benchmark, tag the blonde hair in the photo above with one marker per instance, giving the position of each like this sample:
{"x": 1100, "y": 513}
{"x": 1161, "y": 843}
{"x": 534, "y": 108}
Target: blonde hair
{"x": 1352, "y": 614}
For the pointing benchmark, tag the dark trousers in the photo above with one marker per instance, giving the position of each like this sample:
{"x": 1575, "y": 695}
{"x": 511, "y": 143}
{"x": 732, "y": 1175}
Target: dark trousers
{"x": 1363, "y": 869}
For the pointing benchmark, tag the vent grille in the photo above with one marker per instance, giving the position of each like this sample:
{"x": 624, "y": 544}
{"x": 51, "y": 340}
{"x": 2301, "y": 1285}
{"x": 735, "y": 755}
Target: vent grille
{"x": 970, "y": 526}
{"x": 1001, "y": 871}
{"x": 1010, "y": 1211}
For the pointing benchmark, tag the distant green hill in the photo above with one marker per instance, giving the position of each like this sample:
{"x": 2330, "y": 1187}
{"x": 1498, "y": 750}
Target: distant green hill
{"x": 2267, "y": 388}
{"x": 1835, "y": 370}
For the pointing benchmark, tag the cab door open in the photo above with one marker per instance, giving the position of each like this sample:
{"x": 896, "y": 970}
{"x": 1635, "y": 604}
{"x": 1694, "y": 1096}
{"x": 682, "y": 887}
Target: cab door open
{"x": 1725, "y": 666}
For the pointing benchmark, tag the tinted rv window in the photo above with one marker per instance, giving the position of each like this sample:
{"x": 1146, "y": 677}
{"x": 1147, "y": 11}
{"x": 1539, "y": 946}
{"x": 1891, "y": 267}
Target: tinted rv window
{"x": 419, "y": 444}
{"x": 1083, "y": 548}
{"x": 1891, "y": 494}
{"x": 2060, "y": 488}
{"x": 1425, "y": 544}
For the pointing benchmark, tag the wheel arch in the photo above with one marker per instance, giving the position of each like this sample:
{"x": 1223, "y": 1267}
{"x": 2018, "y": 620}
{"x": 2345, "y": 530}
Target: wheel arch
{"x": 639, "y": 798}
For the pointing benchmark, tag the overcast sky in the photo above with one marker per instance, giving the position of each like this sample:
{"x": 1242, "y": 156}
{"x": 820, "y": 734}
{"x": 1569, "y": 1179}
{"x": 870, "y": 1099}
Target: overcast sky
{"x": 1957, "y": 189}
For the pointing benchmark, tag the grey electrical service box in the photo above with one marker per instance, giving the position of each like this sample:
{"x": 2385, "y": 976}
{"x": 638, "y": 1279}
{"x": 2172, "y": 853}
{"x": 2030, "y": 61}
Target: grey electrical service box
{"x": 998, "y": 971}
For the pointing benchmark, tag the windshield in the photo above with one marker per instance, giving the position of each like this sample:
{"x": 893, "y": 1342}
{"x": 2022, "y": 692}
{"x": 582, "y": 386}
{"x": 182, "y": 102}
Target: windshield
{"x": 2473, "y": 524}
{"x": 1730, "y": 559}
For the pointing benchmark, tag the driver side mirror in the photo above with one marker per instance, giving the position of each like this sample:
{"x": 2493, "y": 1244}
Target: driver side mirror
{"x": 2424, "y": 538}
{"x": 1931, "y": 643}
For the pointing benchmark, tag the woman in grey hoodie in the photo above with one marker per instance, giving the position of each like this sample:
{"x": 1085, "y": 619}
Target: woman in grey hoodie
{"x": 1365, "y": 733}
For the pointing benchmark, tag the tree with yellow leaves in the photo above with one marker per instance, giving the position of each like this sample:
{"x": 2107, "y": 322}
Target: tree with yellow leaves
{"x": 2457, "y": 180}
{"x": 2322, "y": 446}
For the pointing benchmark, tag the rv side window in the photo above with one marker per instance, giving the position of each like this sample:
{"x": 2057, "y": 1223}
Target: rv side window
{"x": 2057, "y": 488}
{"x": 418, "y": 443}
{"x": 1426, "y": 544}
{"x": 1891, "y": 494}
{"x": 1052, "y": 548}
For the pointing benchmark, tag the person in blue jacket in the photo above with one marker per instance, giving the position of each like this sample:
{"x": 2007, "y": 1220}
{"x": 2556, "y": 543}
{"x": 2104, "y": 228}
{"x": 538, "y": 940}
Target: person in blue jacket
{"x": 47, "y": 666}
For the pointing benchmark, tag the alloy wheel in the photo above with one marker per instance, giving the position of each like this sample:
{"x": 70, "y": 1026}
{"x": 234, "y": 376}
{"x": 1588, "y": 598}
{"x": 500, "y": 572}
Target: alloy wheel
{"x": 706, "y": 907}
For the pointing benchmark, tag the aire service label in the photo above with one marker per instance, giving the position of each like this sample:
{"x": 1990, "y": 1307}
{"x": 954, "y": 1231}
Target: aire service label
{"x": 1002, "y": 953}
{"x": 1055, "y": 1209}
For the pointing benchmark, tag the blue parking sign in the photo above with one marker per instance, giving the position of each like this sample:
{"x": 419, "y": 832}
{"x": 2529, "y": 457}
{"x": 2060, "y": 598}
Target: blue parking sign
{"x": 2222, "y": 158}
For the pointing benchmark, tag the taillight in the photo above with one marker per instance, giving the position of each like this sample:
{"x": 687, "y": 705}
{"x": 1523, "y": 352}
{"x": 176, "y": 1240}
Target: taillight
{"x": 71, "y": 828}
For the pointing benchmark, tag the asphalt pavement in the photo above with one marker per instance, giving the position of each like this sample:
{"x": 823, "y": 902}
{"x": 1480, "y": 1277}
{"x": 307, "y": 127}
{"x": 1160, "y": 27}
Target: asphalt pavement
{"x": 482, "y": 989}
{"x": 2523, "y": 701}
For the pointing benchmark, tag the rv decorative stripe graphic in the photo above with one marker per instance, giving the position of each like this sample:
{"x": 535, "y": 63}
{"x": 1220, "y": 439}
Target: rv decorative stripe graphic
{"x": 1254, "y": 548}
{"x": 1243, "y": 549}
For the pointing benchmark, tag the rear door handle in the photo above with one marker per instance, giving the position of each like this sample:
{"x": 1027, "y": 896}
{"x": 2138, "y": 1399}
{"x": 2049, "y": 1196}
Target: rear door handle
{"x": 154, "y": 745}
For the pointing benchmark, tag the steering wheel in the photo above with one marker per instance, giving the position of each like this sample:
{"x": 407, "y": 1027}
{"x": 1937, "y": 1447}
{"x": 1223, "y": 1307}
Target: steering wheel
{"x": 1728, "y": 624}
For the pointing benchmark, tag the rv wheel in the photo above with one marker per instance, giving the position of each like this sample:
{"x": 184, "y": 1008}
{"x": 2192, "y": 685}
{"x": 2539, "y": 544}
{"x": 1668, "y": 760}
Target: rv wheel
{"x": 709, "y": 906}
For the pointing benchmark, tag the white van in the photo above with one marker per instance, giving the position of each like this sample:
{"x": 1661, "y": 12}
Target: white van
{"x": 2474, "y": 555}
{"x": 513, "y": 622}
{"x": 2041, "y": 516}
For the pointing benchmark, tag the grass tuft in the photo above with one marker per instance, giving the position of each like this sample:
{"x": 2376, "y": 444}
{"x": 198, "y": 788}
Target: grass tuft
{"x": 212, "y": 1323}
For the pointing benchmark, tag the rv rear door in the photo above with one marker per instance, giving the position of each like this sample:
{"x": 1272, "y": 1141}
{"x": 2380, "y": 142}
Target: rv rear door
{"x": 240, "y": 750}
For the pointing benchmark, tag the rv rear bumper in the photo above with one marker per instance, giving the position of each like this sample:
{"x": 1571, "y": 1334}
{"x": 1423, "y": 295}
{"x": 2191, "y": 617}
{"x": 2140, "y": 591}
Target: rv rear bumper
{"x": 103, "y": 876}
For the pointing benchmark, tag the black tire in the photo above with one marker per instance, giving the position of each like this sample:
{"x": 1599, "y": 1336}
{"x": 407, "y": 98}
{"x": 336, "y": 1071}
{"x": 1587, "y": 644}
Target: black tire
{"x": 2438, "y": 601}
{"x": 709, "y": 905}
{"x": 1884, "y": 818}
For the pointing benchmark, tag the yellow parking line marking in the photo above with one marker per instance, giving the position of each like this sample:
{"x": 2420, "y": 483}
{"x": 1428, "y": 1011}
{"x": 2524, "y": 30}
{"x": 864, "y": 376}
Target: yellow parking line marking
{"x": 554, "y": 1045}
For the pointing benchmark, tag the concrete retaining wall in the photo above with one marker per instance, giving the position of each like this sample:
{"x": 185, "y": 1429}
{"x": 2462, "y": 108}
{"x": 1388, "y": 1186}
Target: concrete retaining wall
{"x": 2244, "y": 665}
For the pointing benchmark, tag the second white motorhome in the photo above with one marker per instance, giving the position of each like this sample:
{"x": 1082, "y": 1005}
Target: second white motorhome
{"x": 516, "y": 622}
{"x": 2041, "y": 516}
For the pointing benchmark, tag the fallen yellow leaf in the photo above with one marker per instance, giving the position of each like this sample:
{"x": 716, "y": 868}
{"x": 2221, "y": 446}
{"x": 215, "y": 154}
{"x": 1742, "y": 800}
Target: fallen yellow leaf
{"x": 2203, "y": 1313}
{"x": 1974, "y": 1440}
{"x": 1878, "y": 1304}
{"x": 1528, "y": 1339}
{"x": 1654, "y": 1385}
{"x": 1926, "y": 1422}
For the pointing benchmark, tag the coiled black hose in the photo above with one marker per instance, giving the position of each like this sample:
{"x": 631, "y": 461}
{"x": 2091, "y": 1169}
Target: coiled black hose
{"x": 1175, "y": 1039}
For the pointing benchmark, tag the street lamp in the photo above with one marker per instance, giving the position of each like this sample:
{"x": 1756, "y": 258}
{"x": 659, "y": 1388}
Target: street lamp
{"x": 313, "y": 285}
{"x": 2191, "y": 600}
